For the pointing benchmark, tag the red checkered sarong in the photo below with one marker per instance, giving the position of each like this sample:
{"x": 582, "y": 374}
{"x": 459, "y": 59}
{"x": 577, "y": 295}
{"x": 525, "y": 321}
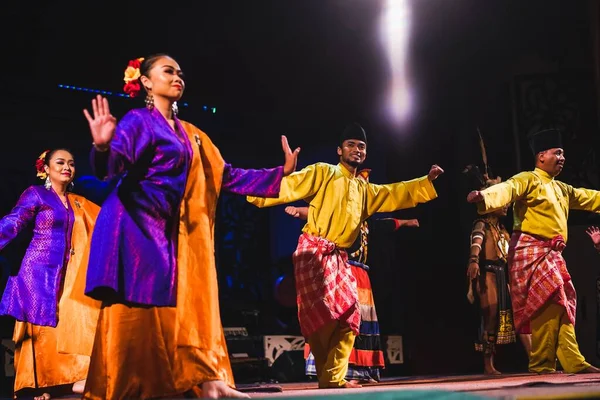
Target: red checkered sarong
{"x": 325, "y": 287}
{"x": 538, "y": 274}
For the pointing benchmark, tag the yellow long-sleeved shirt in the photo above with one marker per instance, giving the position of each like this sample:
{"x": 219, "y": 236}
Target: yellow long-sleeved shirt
{"x": 339, "y": 202}
{"x": 541, "y": 203}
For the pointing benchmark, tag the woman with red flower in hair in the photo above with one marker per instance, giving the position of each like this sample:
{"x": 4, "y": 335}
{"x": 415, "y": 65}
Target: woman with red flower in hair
{"x": 56, "y": 322}
{"x": 152, "y": 258}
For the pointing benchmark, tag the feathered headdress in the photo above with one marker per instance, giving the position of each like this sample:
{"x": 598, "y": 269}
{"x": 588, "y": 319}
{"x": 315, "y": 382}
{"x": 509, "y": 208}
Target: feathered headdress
{"x": 483, "y": 179}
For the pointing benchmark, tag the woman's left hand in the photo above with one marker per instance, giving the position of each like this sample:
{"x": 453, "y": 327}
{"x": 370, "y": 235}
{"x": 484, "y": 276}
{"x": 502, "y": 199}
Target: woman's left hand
{"x": 291, "y": 157}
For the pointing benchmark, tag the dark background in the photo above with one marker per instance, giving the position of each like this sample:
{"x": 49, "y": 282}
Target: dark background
{"x": 305, "y": 69}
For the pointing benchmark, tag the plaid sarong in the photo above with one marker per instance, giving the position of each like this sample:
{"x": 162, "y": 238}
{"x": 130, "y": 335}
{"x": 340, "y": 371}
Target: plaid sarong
{"x": 367, "y": 356}
{"x": 538, "y": 274}
{"x": 325, "y": 287}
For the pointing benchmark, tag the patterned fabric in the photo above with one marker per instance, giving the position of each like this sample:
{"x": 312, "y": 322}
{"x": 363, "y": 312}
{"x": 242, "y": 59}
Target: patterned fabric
{"x": 505, "y": 332}
{"x": 541, "y": 203}
{"x": 367, "y": 356}
{"x": 31, "y": 295}
{"x": 326, "y": 289}
{"x": 355, "y": 373}
{"x": 174, "y": 349}
{"x": 134, "y": 245}
{"x": 367, "y": 351}
{"x": 360, "y": 254}
{"x": 339, "y": 202}
{"x": 538, "y": 274}
{"x": 56, "y": 323}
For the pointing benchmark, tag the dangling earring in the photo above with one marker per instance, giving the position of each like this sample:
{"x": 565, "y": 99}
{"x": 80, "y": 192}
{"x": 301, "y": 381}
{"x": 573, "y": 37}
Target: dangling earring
{"x": 47, "y": 183}
{"x": 149, "y": 101}
{"x": 175, "y": 108}
{"x": 71, "y": 186}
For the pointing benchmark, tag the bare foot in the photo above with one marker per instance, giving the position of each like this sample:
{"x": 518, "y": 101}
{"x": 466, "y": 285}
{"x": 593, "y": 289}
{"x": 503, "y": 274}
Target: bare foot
{"x": 218, "y": 390}
{"x": 493, "y": 371}
{"x": 351, "y": 385}
{"x": 45, "y": 396}
{"x": 548, "y": 372}
{"x": 364, "y": 381}
{"x": 79, "y": 386}
{"x": 589, "y": 370}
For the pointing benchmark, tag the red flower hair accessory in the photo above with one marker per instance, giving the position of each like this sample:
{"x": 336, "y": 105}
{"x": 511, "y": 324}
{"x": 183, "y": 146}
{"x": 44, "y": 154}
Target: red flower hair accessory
{"x": 39, "y": 165}
{"x": 132, "y": 77}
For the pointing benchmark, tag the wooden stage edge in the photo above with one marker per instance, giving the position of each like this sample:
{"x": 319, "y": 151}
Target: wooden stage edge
{"x": 505, "y": 386}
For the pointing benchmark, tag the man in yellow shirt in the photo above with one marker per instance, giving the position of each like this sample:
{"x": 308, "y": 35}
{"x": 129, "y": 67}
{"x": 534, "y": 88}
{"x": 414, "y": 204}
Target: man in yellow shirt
{"x": 338, "y": 202}
{"x": 542, "y": 292}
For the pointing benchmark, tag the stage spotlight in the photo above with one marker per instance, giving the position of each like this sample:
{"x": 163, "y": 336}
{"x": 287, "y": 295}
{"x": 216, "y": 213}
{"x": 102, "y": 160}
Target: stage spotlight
{"x": 394, "y": 34}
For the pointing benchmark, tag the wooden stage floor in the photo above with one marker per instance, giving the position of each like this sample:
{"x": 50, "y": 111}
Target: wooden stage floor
{"x": 457, "y": 387}
{"x": 506, "y": 386}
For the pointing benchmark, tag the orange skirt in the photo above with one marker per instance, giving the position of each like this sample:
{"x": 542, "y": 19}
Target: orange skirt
{"x": 152, "y": 352}
{"x": 46, "y": 357}
{"x": 39, "y": 364}
{"x": 138, "y": 357}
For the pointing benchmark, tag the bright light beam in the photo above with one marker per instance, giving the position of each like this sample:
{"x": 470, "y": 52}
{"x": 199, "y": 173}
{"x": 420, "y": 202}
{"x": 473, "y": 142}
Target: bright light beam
{"x": 394, "y": 35}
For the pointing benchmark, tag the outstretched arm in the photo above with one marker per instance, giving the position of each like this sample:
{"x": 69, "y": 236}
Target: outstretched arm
{"x": 389, "y": 225}
{"x": 252, "y": 182}
{"x": 583, "y": 199}
{"x": 260, "y": 182}
{"x": 22, "y": 214}
{"x": 396, "y": 196}
{"x": 407, "y": 223}
{"x": 296, "y": 186}
{"x": 497, "y": 196}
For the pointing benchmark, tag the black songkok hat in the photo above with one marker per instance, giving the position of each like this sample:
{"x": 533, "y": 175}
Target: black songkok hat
{"x": 353, "y": 131}
{"x": 544, "y": 140}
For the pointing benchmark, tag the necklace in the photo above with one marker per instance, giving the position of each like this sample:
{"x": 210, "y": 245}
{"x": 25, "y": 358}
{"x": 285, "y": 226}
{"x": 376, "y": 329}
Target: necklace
{"x": 65, "y": 202}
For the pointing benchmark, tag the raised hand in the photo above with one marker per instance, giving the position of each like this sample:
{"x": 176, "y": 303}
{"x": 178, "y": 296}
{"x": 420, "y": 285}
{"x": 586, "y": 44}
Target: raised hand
{"x": 291, "y": 157}
{"x": 594, "y": 234}
{"x": 434, "y": 172}
{"x": 102, "y": 124}
{"x": 475, "y": 196}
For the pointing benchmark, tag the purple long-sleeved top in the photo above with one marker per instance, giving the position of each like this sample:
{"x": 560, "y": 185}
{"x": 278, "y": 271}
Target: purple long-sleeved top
{"x": 133, "y": 257}
{"x": 32, "y": 295}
